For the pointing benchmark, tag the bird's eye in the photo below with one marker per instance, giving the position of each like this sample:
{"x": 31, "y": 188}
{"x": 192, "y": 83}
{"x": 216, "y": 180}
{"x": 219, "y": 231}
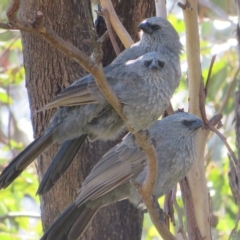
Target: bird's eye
{"x": 147, "y": 63}
{"x": 187, "y": 123}
{"x": 155, "y": 27}
{"x": 161, "y": 64}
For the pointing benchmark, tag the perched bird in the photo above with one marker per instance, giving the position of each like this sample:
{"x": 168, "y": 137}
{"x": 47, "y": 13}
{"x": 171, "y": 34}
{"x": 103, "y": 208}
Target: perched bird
{"x": 102, "y": 122}
{"x": 157, "y": 33}
{"x": 112, "y": 178}
{"x": 144, "y": 87}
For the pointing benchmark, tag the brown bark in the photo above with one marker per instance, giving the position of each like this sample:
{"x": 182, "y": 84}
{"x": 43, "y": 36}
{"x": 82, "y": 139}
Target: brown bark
{"x": 47, "y": 72}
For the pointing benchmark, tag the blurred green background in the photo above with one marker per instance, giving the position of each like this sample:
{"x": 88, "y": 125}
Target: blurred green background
{"x": 19, "y": 207}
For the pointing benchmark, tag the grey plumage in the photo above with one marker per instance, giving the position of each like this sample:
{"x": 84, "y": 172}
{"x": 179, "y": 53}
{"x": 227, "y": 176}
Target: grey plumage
{"x": 157, "y": 34}
{"x": 144, "y": 87}
{"x": 111, "y": 179}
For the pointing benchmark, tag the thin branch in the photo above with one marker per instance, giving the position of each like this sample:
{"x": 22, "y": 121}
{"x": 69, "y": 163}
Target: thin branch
{"x": 234, "y": 231}
{"x": 210, "y": 73}
{"x": 229, "y": 91}
{"x": 213, "y": 7}
{"x": 4, "y": 26}
{"x": 172, "y": 7}
{"x": 168, "y": 206}
{"x": 156, "y": 214}
{"x": 180, "y": 220}
{"x": 232, "y": 154}
{"x": 170, "y": 109}
{"x": 210, "y": 125}
{"x": 9, "y": 120}
{"x": 110, "y": 30}
{"x": 93, "y": 66}
{"x": 8, "y": 48}
{"x": 202, "y": 101}
{"x": 192, "y": 226}
{"x": 234, "y": 182}
{"x": 116, "y": 24}
{"x": 161, "y": 10}
{"x": 19, "y": 214}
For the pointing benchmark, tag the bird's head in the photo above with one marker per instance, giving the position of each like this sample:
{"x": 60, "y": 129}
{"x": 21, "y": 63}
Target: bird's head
{"x": 153, "y": 61}
{"x": 157, "y": 30}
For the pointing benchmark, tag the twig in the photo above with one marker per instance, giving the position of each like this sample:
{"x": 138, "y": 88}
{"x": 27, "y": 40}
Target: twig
{"x": 184, "y": 6}
{"x": 193, "y": 230}
{"x": 8, "y": 48}
{"x": 234, "y": 182}
{"x": 172, "y": 7}
{"x": 168, "y": 206}
{"x": 234, "y": 231}
{"x": 209, "y": 73}
{"x": 213, "y": 7}
{"x": 93, "y": 66}
{"x": 116, "y": 24}
{"x": 209, "y": 124}
{"x": 230, "y": 88}
{"x": 19, "y": 214}
{"x": 145, "y": 191}
{"x": 232, "y": 154}
{"x": 202, "y": 101}
{"x": 4, "y": 26}
{"x": 110, "y": 30}
{"x": 170, "y": 109}
{"x": 157, "y": 215}
{"x": 180, "y": 220}
{"x": 161, "y": 10}
{"x": 9, "y": 120}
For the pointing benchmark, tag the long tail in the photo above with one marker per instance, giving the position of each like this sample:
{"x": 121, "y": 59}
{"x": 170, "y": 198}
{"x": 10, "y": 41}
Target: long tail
{"x": 71, "y": 224}
{"x": 60, "y": 163}
{"x": 20, "y": 162}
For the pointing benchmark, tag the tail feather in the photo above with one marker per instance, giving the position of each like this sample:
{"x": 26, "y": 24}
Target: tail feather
{"x": 71, "y": 224}
{"x": 81, "y": 223}
{"x": 60, "y": 163}
{"x": 21, "y": 162}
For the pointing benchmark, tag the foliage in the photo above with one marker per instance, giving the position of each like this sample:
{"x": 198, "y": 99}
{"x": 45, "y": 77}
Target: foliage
{"x": 217, "y": 37}
{"x": 20, "y": 197}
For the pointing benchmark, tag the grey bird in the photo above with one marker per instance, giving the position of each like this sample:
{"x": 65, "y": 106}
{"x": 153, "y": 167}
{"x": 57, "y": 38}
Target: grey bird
{"x": 144, "y": 87}
{"x": 112, "y": 178}
{"x": 157, "y": 35}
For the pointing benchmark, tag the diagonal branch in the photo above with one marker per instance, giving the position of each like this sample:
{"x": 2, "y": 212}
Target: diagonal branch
{"x": 93, "y": 65}
{"x": 105, "y": 14}
{"x": 180, "y": 220}
{"x": 116, "y": 24}
{"x": 19, "y": 214}
{"x": 192, "y": 226}
{"x": 210, "y": 73}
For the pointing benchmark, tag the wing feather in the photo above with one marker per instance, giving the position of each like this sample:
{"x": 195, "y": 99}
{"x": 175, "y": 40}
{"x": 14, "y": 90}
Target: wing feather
{"x": 72, "y": 96}
{"x": 117, "y": 166}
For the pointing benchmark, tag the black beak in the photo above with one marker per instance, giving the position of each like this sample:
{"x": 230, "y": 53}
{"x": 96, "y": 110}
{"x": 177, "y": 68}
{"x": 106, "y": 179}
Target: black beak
{"x": 197, "y": 124}
{"x": 146, "y": 27}
{"x": 154, "y": 65}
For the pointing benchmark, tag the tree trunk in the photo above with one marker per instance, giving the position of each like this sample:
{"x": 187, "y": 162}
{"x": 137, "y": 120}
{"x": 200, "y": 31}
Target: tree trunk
{"x": 47, "y": 73}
